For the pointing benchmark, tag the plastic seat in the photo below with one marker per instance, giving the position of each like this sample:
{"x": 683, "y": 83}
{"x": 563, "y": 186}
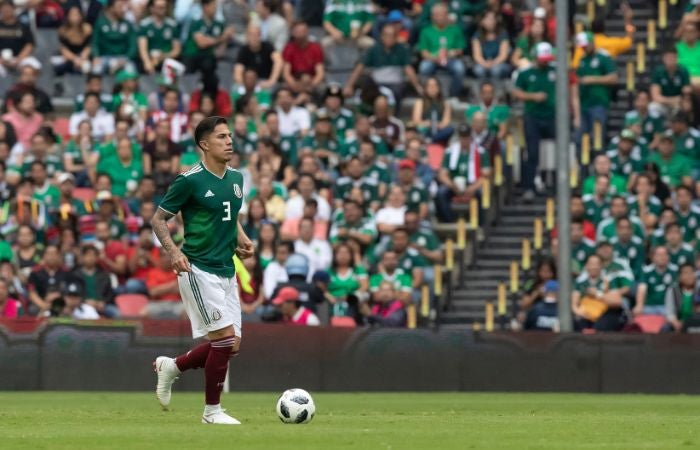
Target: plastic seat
{"x": 650, "y": 323}
{"x": 131, "y": 305}
{"x": 84, "y": 194}
{"x": 343, "y": 322}
{"x": 435, "y": 155}
{"x": 61, "y": 126}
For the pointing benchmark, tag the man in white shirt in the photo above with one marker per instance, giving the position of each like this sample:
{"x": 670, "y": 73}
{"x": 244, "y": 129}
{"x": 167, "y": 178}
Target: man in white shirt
{"x": 275, "y": 271}
{"x": 317, "y": 251}
{"x": 293, "y": 120}
{"x": 306, "y": 187}
{"x": 102, "y": 122}
{"x": 391, "y": 216}
{"x": 74, "y": 307}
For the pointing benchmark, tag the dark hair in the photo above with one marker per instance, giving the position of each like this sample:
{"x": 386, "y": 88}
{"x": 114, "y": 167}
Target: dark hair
{"x": 311, "y": 201}
{"x": 352, "y": 202}
{"x": 243, "y": 101}
{"x": 206, "y": 127}
{"x": 618, "y": 197}
{"x": 670, "y": 226}
{"x": 285, "y": 243}
{"x": 206, "y": 2}
{"x": 306, "y": 219}
{"x": 545, "y": 261}
{"x": 38, "y": 163}
{"x": 686, "y": 265}
{"x": 624, "y": 219}
{"x": 683, "y": 187}
{"x": 89, "y": 248}
{"x": 145, "y": 227}
{"x": 400, "y": 230}
{"x": 93, "y": 95}
{"x": 577, "y": 220}
{"x": 276, "y": 236}
{"x": 283, "y": 89}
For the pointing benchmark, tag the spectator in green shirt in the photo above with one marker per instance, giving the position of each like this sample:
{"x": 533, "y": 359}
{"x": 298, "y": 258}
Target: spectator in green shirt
{"x": 389, "y": 64}
{"x": 689, "y": 51}
{"x": 206, "y": 35}
{"x": 126, "y": 171}
{"x": 497, "y": 114}
{"x": 388, "y": 270}
{"x": 593, "y": 284}
{"x": 113, "y": 39}
{"x": 44, "y": 191}
{"x": 686, "y": 141}
{"x": 348, "y": 21}
{"x": 348, "y": 279}
{"x": 681, "y": 298}
{"x": 535, "y": 86}
{"x": 158, "y": 37}
{"x": 490, "y": 48}
{"x": 667, "y": 82}
{"x": 596, "y": 74}
{"x": 603, "y": 166}
{"x": 656, "y": 279}
{"x": 646, "y": 123}
{"x": 441, "y": 46}
{"x": 674, "y": 168}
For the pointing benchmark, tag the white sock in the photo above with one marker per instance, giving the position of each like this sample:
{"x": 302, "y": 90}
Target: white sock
{"x": 211, "y": 409}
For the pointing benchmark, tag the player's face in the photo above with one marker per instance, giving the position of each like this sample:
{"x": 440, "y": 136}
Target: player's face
{"x": 219, "y": 145}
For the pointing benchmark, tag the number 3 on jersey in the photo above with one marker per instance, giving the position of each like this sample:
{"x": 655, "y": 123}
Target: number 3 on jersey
{"x": 227, "y": 212}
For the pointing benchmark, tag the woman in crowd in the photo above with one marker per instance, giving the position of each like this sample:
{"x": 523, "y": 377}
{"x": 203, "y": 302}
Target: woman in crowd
{"x": 253, "y": 221}
{"x": 74, "y": 36}
{"x": 267, "y": 242}
{"x": 490, "y": 48}
{"x": 524, "y": 46}
{"x": 348, "y": 282}
{"x": 534, "y": 288}
{"x": 432, "y": 113}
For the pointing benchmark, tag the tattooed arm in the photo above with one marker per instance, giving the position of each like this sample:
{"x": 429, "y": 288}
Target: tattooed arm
{"x": 160, "y": 228}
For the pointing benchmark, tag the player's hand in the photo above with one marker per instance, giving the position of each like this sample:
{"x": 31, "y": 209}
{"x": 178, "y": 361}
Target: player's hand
{"x": 245, "y": 249}
{"x": 180, "y": 262}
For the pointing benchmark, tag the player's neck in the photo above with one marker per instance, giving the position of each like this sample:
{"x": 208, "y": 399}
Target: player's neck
{"x": 215, "y": 167}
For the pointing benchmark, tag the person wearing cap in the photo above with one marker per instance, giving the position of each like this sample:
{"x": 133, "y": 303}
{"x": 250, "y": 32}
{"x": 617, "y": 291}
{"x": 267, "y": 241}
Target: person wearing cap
{"x": 686, "y": 141}
{"x": 354, "y": 177}
{"x": 627, "y": 159}
{"x": 594, "y": 287}
{"x": 612, "y": 45}
{"x": 293, "y": 312}
{"x": 535, "y": 87}
{"x": 348, "y": 21}
{"x": 101, "y": 122}
{"x": 596, "y": 75}
{"x": 682, "y": 299}
{"x": 465, "y": 165}
{"x": 645, "y": 122}
{"x": 413, "y": 188}
{"x": 296, "y": 269}
{"x": 544, "y": 314}
{"x": 72, "y": 304}
{"x": 16, "y": 39}
{"x": 441, "y": 45}
{"x": 113, "y": 39}
{"x": 668, "y": 81}
{"x": 127, "y": 94}
{"x": 158, "y": 37}
{"x": 343, "y": 119}
{"x": 389, "y": 65}
{"x": 674, "y": 168}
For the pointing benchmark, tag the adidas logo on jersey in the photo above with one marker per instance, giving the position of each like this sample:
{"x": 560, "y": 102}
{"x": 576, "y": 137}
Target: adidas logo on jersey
{"x": 208, "y": 194}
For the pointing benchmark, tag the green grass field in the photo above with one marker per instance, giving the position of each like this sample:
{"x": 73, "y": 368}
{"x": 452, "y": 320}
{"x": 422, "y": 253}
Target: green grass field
{"x": 72, "y": 420}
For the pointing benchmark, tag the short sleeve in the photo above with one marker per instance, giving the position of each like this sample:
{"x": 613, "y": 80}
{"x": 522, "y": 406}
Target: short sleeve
{"x": 177, "y": 195}
{"x": 520, "y": 81}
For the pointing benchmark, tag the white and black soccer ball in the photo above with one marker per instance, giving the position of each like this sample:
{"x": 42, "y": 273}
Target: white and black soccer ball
{"x": 296, "y": 406}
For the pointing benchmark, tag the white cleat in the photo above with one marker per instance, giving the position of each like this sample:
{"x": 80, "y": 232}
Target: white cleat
{"x": 219, "y": 418}
{"x": 167, "y": 372}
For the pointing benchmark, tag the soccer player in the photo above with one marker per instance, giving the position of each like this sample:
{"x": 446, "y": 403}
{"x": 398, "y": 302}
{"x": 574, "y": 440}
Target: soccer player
{"x": 209, "y": 196}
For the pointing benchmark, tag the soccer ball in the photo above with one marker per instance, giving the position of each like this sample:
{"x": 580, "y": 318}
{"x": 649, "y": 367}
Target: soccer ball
{"x": 296, "y": 406}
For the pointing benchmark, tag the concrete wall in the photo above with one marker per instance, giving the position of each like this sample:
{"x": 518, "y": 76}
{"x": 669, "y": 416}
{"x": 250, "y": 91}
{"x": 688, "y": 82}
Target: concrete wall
{"x": 78, "y": 357}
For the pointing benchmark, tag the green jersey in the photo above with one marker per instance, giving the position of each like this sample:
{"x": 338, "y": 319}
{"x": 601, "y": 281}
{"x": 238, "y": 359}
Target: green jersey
{"x": 288, "y": 145}
{"x": 263, "y": 96}
{"x": 625, "y": 165}
{"x": 689, "y": 223}
{"x": 618, "y": 185}
{"x": 212, "y": 29}
{"x": 671, "y": 84}
{"x": 607, "y": 228}
{"x": 633, "y": 252}
{"x": 433, "y": 39}
{"x": 340, "y": 286}
{"x": 657, "y": 238}
{"x": 368, "y": 186}
{"x": 116, "y": 38}
{"x": 688, "y": 145}
{"x": 400, "y": 279}
{"x": 684, "y": 254}
{"x": 583, "y": 282}
{"x": 209, "y": 207}
{"x": 342, "y": 120}
{"x": 246, "y": 144}
{"x": 53, "y": 164}
{"x": 597, "y": 64}
{"x": 411, "y": 259}
{"x": 364, "y": 226}
{"x": 125, "y": 178}
{"x": 379, "y": 171}
{"x": 160, "y": 37}
{"x": 351, "y": 147}
{"x": 48, "y": 195}
{"x": 457, "y": 160}
{"x": 313, "y": 143}
{"x": 654, "y": 205}
{"x": 619, "y": 272}
{"x": 657, "y": 281}
{"x": 539, "y": 79}
{"x": 425, "y": 238}
{"x": 496, "y": 114}
{"x": 596, "y": 210}
{"x": 651, "y": 124}
{"x": 416, "y": 195}
{"x": 673, "y": 169}
{"x": 581, "y": 251}
{"x": 346, "y": 14}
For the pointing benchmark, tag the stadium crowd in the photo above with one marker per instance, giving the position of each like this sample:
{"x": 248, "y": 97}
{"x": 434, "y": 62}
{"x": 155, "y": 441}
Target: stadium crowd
{"x": 340, "y": 193}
